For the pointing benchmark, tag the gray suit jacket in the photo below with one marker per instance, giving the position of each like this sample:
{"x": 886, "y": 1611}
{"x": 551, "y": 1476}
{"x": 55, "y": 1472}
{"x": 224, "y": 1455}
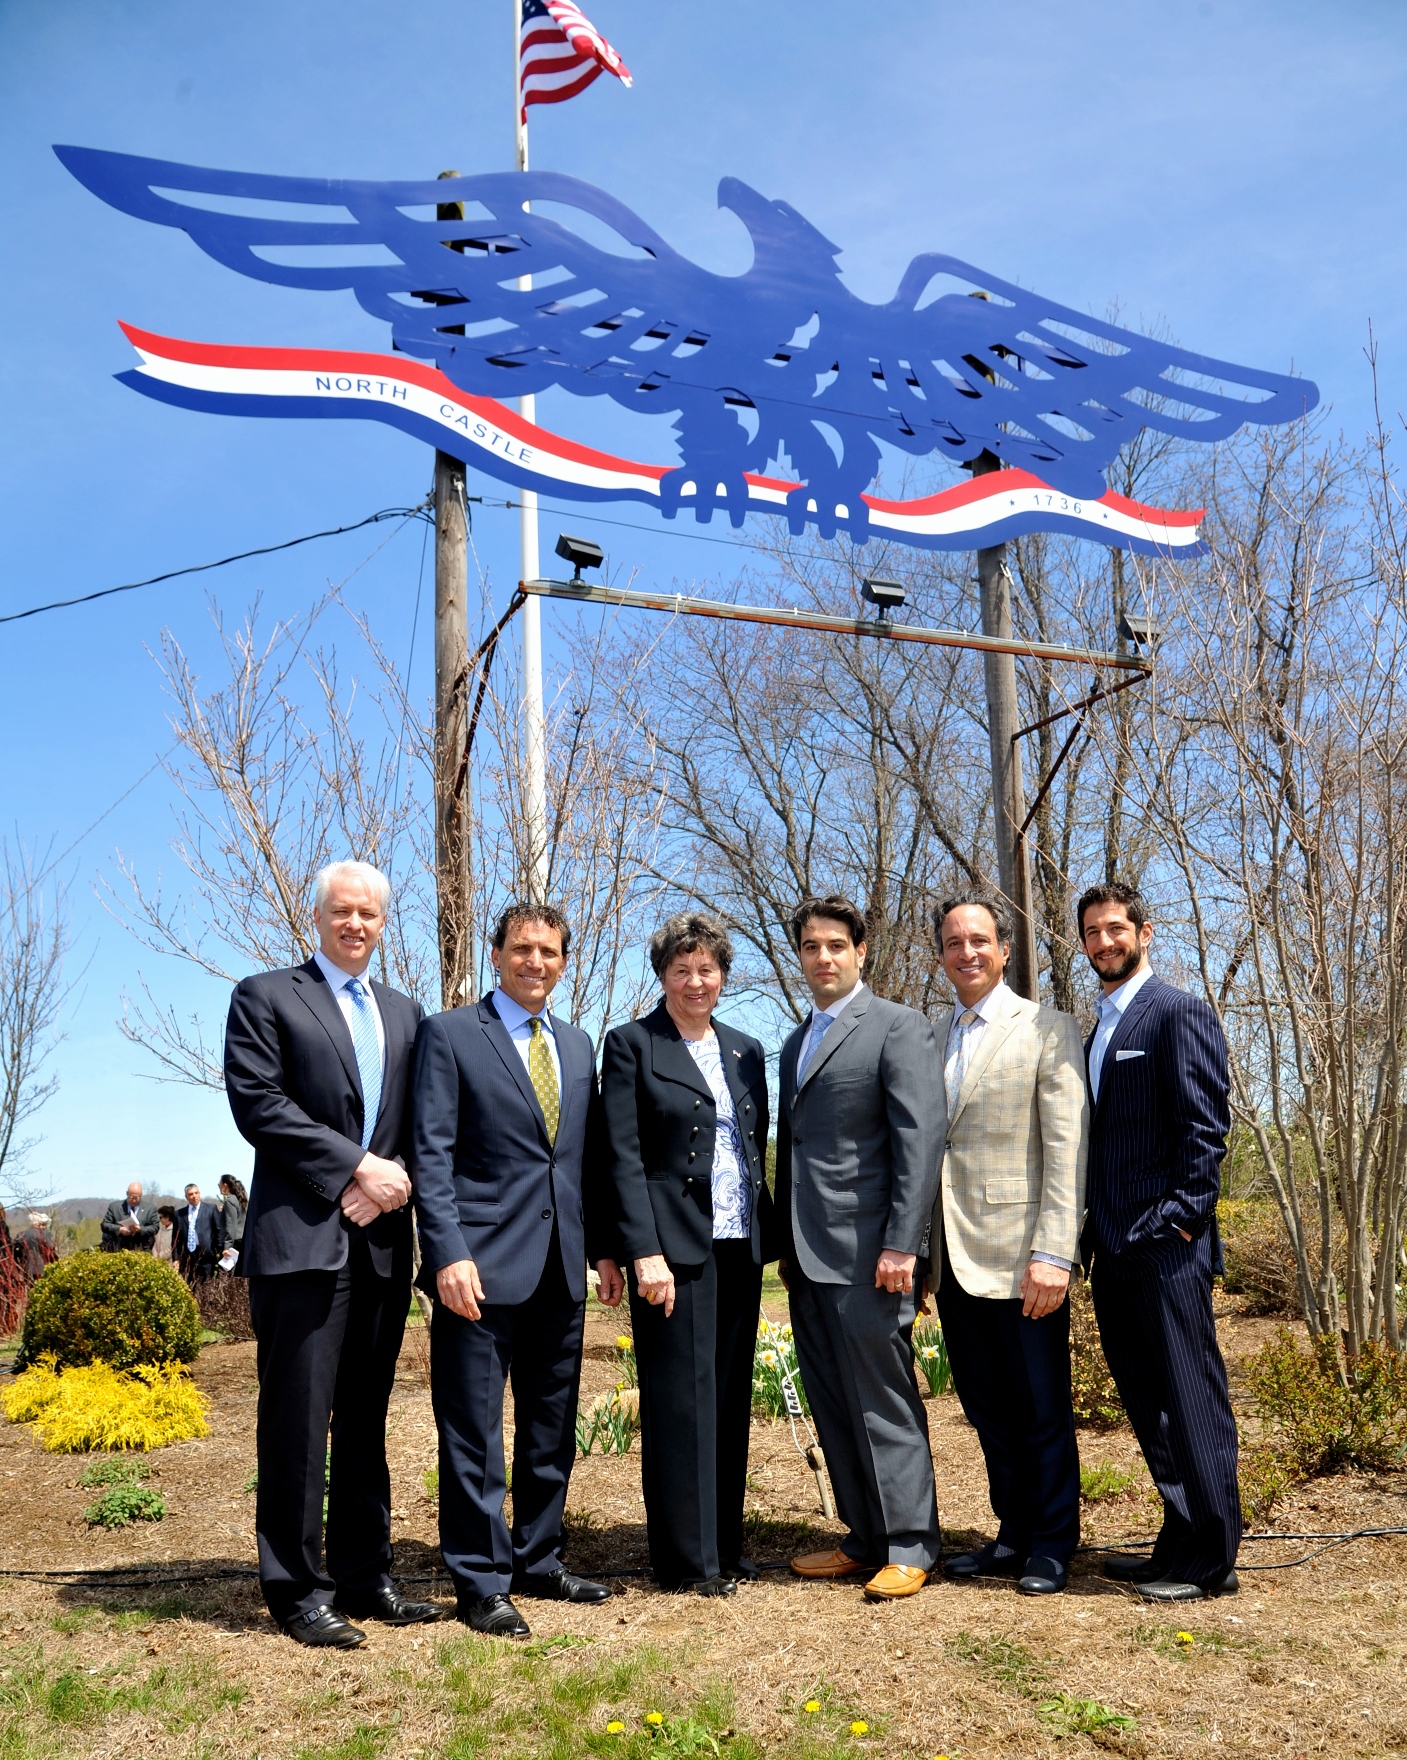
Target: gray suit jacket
{"x": 858, "y": 1144}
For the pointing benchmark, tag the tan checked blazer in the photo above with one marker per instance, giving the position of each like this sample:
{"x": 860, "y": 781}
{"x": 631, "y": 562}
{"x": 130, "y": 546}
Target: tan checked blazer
{"x": 1013, "y": 1179}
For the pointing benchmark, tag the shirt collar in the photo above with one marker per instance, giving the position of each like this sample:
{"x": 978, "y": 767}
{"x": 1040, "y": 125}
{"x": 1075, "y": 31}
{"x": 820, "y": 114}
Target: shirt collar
{"x": 840, "y": 1004}
{"x": 1116, "y": 1001}
{"x": 337, "y": 979}
{"x": 986, "y": 1009}
{"x": 514, "y": 1015}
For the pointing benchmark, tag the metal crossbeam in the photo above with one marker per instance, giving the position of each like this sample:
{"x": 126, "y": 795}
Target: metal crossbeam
{"x": 881, "y": 629}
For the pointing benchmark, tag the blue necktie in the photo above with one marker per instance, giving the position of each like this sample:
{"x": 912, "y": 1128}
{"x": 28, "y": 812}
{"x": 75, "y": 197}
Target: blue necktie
{"x": 368, "y": 1052}
{"x": 819, "y": 1024}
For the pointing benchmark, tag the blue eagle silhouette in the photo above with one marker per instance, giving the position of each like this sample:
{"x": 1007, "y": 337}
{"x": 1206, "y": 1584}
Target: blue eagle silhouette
{"x": 780, "y": 366}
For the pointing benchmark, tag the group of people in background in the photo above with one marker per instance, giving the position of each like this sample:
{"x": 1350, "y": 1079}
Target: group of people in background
{"x": 981, "y": 1158}
{"x": 198, "y": 1236}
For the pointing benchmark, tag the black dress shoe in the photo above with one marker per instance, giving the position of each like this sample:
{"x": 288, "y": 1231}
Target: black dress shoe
{"x": 1126, "y": 1567}
{"x": 1042, "y": 1576}
{"x": 712, "y": 1586}
{"x": 390, "y": 1607}
{"x": 324, "y": 1629}
{"x": 493, "y": 1615}
{"x": 744, "y": 1571}
{"x": 967, "y": 1566}
{"x": 560, "y": 1585}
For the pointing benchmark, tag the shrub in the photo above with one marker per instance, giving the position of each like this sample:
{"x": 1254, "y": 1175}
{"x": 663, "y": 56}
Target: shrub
{"x": 120, "y": 1309}
{"x": 222, "y": 1302}
{"x": 1103, "y": 1483}
{"x": 1093, "y": 1394}
{"x": 118, "y": 1471}
{"x": 123, "y": 1505}
{"x": 1325, "y": 1417}
{"x": 93, "y": 1406}
{"x": 931, "y": 1354}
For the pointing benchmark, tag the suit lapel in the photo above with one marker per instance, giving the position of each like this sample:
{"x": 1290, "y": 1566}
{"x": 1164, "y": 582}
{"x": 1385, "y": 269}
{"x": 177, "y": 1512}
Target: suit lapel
{"x": 731, "y": 1056}
{"x": 786, "y": 1068}
{"x": 502, "y": 1041}
{"x": 317, "y": 993}
{"x": 837, "y": 1032}
{"x": 397, "y": 1041}
{"x": 1127, "y": 1019}
{"x": 994, "y": 1035}
{"x": 671, "y": 1058}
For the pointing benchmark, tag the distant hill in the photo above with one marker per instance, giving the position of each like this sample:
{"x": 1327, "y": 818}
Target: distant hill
{"x": 68, "y": 1212}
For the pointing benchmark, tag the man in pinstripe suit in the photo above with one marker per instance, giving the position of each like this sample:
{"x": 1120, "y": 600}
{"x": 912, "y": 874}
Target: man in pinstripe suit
{"x": 1158, "y": 1088}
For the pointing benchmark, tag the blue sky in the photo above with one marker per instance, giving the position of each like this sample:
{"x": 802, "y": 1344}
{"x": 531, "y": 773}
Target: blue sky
{"x": 1229, "y": 170}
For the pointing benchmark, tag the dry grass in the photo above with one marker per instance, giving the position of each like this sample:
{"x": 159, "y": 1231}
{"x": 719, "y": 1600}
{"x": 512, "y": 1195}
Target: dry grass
{"x": 1308, "y": 1661}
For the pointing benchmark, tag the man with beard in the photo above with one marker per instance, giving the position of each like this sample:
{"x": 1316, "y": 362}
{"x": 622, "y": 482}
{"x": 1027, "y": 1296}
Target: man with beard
{"x": 1158, "y": 1086}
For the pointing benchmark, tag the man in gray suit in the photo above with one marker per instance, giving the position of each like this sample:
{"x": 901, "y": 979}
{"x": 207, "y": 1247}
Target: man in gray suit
{"x": 861, "y": 1128}
{"x": 129, "y": 1227}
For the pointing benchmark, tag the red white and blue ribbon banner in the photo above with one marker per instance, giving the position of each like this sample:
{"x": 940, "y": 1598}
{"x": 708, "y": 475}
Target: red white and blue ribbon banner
{"x": 422, "y": 401}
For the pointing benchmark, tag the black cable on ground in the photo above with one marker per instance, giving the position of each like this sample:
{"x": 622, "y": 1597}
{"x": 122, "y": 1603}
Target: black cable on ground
{"x": 203, "y": 567}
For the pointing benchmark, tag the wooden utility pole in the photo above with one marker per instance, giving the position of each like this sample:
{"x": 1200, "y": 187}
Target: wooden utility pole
{"x": 1008, "y": 794}
{"x": 451, "y": 775}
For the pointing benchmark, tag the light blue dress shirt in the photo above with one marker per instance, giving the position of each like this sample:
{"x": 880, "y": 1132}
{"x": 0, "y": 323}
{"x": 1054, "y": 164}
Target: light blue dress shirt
{"x": 515, "y": 1017}
{"x": 1111, "y": 1012}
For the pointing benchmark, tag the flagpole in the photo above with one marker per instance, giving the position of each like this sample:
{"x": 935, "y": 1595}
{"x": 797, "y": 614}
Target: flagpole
{"x": 534, "y": 721}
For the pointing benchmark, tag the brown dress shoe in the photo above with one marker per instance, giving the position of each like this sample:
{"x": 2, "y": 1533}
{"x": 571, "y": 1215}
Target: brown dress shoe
{"x": 895, "y": 1581}
{"x": 827, "y": 1564}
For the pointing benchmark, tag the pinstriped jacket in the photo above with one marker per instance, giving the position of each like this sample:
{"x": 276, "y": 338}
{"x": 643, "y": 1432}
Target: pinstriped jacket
{"x": 1013, "y": 1179}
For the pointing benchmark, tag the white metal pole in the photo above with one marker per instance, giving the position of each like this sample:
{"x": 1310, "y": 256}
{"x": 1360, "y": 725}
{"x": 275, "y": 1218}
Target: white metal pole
{"x": 534, "y": 721}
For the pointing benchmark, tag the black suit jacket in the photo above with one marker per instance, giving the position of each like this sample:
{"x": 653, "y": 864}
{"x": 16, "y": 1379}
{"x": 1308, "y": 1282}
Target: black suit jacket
{"x": 114, "y": 1241}
{"x": 488, "y": 1184}
{"x": 209, "y": 1232}
{"x": 296, "y": 1094}
{"x": 1158, "y": 1129}
{"x": 661, "y": 1122}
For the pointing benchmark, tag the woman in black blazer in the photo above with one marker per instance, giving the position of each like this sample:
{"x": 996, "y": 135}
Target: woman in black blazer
{"x": 685, "y": 1100}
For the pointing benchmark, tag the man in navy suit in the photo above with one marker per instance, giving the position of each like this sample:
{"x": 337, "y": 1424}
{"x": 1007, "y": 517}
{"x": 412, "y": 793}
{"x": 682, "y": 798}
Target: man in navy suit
{"x": 317, "y": 1066}
{"x": 199, "y": 1237}
{"x": 1158, "y": 1089}
{"x": 507, "y": 1161}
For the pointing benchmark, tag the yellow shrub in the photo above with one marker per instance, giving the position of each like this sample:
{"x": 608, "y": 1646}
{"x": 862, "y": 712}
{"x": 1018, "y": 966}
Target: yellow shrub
{"x": 94, "y": 1406}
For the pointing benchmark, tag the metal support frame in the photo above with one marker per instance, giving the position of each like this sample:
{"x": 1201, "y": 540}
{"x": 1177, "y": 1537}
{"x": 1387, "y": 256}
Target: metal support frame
{"x": 1080, "y": 710}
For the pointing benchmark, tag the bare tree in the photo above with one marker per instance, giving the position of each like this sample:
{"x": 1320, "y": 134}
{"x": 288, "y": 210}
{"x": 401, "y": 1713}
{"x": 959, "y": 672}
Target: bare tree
{"x": 35, "y": 940}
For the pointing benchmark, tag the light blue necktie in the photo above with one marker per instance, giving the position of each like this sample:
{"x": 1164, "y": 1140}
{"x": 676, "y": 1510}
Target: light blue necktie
{"x": 368, "y": 1052}
{"x": 819, "y": 1025}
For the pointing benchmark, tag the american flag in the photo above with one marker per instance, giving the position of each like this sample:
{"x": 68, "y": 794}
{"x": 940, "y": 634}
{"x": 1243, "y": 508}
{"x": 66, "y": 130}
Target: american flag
{"x": 561, "y": 53}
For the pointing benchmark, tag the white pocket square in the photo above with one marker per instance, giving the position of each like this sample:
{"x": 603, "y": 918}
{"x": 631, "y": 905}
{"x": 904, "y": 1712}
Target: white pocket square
{"x": 1119, "y": 1056}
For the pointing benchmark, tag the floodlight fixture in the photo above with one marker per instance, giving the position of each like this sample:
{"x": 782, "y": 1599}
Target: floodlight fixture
{"x": 581, "y": 553}
{"x": 883, "y": 593}
{"x": 1143, "y": 632}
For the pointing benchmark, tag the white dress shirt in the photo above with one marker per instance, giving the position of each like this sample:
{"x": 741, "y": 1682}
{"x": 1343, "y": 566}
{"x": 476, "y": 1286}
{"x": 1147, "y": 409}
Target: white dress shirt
{"x": 515, "y": 1017}
{"x": 337, "y": 982}
{"x": 1111, "y": 1012}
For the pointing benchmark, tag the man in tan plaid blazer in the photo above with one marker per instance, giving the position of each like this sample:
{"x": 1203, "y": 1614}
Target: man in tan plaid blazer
{"x": 1004, "y": 1236}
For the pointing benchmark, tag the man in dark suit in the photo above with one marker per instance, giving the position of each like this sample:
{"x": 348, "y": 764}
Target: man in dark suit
{"x": 200, "y": 1236}
{"x": 317, "y": 1069}
{"x": 860, "y": 1135}
{"x": 506, "y": 1159}
{"x": 130, "y": 1225}
{"x": 1158, "y": 1088}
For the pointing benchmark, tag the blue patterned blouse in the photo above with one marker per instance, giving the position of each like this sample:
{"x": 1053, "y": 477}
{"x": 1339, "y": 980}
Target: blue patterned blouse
{"x": 732, "y": 1189}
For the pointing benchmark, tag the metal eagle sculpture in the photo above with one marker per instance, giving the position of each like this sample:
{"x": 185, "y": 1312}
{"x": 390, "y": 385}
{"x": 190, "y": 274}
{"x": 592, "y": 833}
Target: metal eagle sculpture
{"x": 547, "y": 281}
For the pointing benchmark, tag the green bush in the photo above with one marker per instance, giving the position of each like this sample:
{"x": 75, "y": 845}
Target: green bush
{"x": 1324, "y": 1416}
{"x": 123, "y": 1505}
{"x": 1093, "y": 1395}
{"x": 121, "y": 1309}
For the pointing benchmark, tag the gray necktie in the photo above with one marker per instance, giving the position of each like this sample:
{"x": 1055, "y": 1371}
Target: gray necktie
{"x": 958, "y": 1054}
{"x": 820, "y": 1024}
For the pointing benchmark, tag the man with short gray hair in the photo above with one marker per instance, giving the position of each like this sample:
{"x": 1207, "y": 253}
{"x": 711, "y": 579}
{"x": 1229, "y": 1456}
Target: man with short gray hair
{"x": 317, "y": 1069}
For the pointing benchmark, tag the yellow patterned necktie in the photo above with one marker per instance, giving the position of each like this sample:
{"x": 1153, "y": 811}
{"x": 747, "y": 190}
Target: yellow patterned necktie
{"x": 544, "y": 1077}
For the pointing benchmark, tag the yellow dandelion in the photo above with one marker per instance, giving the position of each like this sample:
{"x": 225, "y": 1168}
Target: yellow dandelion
{"x": 1185, "y": 1638}
{"x": 654, "y": 1717}
{"x": 859, "y": 1727}
{"x": 615, "y": 1727}
{"x": 812, "y": 1705}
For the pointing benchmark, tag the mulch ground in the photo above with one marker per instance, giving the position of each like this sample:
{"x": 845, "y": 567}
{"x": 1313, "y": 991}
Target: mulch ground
{"x": 1303, "y": 1661}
